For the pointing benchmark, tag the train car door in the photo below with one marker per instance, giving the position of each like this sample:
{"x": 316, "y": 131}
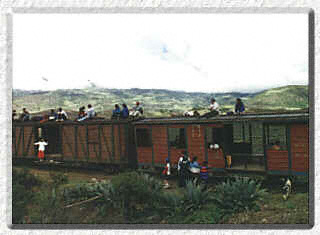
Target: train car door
{"x": 247, "y": 151}
{"x": 215, "y": 141}
{"x": 52, "y": 134}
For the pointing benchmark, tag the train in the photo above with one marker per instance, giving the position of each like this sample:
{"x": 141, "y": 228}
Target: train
{"x": 147, "y": 143}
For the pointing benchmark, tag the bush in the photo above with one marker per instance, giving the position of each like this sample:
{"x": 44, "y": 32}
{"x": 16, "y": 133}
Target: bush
{"x": 239, "y": 195}
{"x": 25, "y": 178}
{"x": 22, "y": 195}
{"x": 136, "y": 192}
{"x": 195, "y": 196}
{"x": 86, "y": 191}
{"x": 58, "y": 179}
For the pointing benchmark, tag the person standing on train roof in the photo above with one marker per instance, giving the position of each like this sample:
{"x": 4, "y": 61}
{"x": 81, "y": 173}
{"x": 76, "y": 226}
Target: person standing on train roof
{"x": 124, "y": 112}
{"x": 41, "y": 148}
{"x": 239, "y": 106}
{"x": 62, "y": 115}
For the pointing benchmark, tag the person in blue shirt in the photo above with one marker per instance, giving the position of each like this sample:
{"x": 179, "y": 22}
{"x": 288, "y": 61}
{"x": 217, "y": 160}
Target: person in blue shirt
{"x": 239, "y": 107}
{"x": 124, "y": 112}
{"x": 194, "y": 163}
{"x": 116, "y": 111}
{"x": 52, "y": 115}
{"x": 194, "y": 170}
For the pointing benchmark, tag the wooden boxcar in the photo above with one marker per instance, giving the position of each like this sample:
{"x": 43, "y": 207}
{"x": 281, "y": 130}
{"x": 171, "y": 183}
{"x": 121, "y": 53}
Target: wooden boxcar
{"x": 92, "y": 141}
{"x": 246, "y": 138}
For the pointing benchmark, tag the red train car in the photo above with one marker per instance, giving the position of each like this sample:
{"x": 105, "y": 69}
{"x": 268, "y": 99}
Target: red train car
{"x": 248, "y": 139}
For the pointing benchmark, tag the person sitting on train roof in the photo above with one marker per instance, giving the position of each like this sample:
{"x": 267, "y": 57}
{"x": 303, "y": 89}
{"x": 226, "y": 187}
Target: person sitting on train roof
{"x": 25, "y": 116}
{"x": 52, "y": 115}
{"x": 214, "y": 109}
{"x": 239, "y": 106}
{"x": 136, "y": 110}
{"x": 276, "y": 145}
{"x": 61, "y": 115}
{"x": 90, "y": 114}
{"x": 124, "y": 112}
{"x": 116, "y": 111}
{"x": 191, "y": 113}
{"x": 82, "y": 112}
{"x": 14, "y": 115}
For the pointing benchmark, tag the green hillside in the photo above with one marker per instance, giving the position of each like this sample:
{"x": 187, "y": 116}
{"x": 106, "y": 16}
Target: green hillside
{"x": 288, "y": 97}
{"x": 158, "y": 102}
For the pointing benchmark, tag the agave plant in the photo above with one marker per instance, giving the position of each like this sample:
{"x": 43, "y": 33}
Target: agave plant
{"x": 238, "y": 195}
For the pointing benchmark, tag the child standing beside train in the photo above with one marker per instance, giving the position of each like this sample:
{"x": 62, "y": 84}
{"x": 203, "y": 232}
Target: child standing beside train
{"x": 166, "y": 174}
{"x": 41, "y": 149}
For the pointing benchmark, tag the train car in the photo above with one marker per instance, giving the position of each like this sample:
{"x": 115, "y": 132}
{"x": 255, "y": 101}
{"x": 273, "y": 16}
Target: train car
{"x": 247, "y": 138}
{"x": 90, "y": 141}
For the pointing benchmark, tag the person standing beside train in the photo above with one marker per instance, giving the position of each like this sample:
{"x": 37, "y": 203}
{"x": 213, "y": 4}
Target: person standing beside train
{"x": 184, "y": 171}
{"x": 204, "y": 175}
{"x": 41, "y": 143}
{"x": 166, "y": 174}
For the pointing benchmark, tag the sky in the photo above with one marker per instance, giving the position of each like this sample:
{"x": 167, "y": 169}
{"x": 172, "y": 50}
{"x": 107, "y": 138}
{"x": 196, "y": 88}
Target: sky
{"x": 188, "y": 52}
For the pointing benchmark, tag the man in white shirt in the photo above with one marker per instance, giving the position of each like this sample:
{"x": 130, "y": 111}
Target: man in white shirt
{"x": 90, "y": 114}
{"x": 214, "y": 106}
{"x": 61, "y": 115}
{"x": 214, "y": 109}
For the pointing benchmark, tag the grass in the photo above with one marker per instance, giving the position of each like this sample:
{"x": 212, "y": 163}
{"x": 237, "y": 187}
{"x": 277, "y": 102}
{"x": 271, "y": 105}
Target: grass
{"x": 276, "y": 211}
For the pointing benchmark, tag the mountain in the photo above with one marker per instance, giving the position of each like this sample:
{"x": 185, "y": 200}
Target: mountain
{"x": 158, "y": 102}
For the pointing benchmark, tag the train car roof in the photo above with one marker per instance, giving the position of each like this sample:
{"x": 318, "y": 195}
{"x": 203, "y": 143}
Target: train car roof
{"x": 271, "y": 117}
{"x": 265, "y": 117}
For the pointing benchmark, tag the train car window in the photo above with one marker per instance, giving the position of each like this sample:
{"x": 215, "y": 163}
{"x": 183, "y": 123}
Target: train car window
{"x": 177, "y": 138}
{"x": 241, "y": 133}
{"x": 143, "y": 137}
{"x": 276, "y": 133}
{"x": 215, "y": 136}
{"x": 257, "y": 138}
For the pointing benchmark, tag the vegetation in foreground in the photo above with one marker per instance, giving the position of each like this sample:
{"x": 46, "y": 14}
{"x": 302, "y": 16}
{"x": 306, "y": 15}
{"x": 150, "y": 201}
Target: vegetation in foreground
{"x": 137, "y": 198}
